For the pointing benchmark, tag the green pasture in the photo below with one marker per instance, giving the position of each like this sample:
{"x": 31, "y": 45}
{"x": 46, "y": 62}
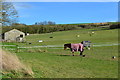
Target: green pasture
{"x": 62, "y": 37}
{"x": 54, "y": 62}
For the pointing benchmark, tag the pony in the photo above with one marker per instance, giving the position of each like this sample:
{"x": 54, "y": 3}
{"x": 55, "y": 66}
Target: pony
{"x": 75, "y": 47}
{"x": 78, "y": 47}
{"x": 87, "y": 44}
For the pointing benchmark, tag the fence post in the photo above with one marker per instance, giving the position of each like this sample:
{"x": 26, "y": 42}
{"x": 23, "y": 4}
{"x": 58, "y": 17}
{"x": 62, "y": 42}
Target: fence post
{"x": 16, "y": 48}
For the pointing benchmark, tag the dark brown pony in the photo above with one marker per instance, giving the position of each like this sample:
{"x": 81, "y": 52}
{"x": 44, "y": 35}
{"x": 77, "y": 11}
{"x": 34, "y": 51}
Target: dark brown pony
{"x": 69, "y": 46}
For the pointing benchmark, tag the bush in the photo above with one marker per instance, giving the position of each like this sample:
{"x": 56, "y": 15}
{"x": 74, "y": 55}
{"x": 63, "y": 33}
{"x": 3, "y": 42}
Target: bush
{"x": 114, "y": 26}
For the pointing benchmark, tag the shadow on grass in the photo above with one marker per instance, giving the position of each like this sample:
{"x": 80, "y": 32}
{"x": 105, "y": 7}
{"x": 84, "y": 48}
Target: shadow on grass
{"x": 100, "y": 29}
{"x": 68, "y": 55}
{"x": 64, "y": 55}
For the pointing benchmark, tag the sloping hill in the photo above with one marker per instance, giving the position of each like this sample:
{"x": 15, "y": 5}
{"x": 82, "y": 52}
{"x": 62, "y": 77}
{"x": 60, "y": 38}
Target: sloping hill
{"x": 11, "y": 66}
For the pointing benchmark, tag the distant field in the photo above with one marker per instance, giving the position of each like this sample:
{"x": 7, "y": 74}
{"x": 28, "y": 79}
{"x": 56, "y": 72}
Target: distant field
{"x": 54, "y": 62}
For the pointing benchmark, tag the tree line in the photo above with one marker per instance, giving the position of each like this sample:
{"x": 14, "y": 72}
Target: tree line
{"x": 32, "y": 29}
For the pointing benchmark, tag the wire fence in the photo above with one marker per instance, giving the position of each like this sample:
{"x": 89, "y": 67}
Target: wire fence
{"x": 16, "y": 48}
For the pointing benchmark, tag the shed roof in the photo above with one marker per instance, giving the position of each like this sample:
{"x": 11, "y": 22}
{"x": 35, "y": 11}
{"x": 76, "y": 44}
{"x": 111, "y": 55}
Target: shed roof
{"x": 14, "y": 30}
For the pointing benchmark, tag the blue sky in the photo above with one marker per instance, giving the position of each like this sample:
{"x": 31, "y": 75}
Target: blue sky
{"x": 67, "y": 12}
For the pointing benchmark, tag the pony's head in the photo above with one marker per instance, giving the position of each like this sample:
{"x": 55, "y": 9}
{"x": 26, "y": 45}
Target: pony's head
{"x": 67, "y": 45}
{"x": 87, "y": 44}
{"x": 82, "y": 42}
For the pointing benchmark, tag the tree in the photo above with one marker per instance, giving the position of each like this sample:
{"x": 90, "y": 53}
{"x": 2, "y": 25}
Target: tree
{"x": 18, "y": 24}
{"x": 51, "y": 23}
{"x": 8, "y": 12}
{"x": 45, "y": 23}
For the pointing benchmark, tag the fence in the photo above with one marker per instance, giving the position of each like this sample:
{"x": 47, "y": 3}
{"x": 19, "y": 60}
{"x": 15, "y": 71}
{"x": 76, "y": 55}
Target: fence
{"x": 16, "y": 48}
{"x": 13, "y": 48}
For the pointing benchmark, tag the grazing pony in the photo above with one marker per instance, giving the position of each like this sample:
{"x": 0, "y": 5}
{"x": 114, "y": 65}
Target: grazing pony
{"x": 75, "y": 47}
{"x": 87, "y": 44}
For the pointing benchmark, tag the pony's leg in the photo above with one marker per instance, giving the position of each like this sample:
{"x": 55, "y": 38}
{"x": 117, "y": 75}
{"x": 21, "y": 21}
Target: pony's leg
{"x": 81, "y": 53}
{"x": 73, "y": 53}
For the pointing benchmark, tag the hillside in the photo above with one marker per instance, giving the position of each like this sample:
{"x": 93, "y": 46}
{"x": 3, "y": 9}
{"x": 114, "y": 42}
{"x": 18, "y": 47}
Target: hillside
{"x": 48, "y": 59}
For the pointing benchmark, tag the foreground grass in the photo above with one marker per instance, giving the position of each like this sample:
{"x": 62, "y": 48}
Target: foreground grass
{"x": 96, "y": 64}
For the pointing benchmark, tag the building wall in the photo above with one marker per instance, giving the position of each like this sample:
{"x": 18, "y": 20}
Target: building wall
{"x": 13, "y": 34}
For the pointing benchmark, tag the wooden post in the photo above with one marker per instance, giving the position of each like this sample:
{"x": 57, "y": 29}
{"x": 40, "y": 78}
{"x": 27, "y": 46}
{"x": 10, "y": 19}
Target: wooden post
{"x": 16, "y": 48}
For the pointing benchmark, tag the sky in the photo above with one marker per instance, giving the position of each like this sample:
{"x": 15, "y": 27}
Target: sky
{"x": 62, "y": 0}
{"x": 67, "y": 12}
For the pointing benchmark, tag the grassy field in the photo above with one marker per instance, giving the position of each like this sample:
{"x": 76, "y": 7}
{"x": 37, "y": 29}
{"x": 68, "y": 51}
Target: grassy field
{"x": 54, "y": 62}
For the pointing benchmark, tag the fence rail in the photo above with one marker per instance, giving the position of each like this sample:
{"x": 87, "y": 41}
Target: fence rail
{"x": 17, "y": 48}
{"x": 7, "y": 45}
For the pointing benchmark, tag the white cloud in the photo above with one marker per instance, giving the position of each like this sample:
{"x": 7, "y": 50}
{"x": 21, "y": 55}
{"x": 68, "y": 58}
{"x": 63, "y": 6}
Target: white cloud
{"x": 62, "y": 0}
{"x": 22, "y": 5}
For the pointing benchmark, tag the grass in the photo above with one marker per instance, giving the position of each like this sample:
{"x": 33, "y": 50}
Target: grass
{"x": 59, "y": 63}
{"x": 96, "y": 64}
{"x": 59, "y": 38}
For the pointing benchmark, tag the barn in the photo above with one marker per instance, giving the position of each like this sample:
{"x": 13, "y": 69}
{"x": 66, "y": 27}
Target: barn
{"x": 14, "y": 36}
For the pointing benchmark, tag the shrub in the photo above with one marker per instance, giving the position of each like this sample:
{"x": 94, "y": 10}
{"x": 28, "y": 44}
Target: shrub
{"x": 114, "y": 26}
